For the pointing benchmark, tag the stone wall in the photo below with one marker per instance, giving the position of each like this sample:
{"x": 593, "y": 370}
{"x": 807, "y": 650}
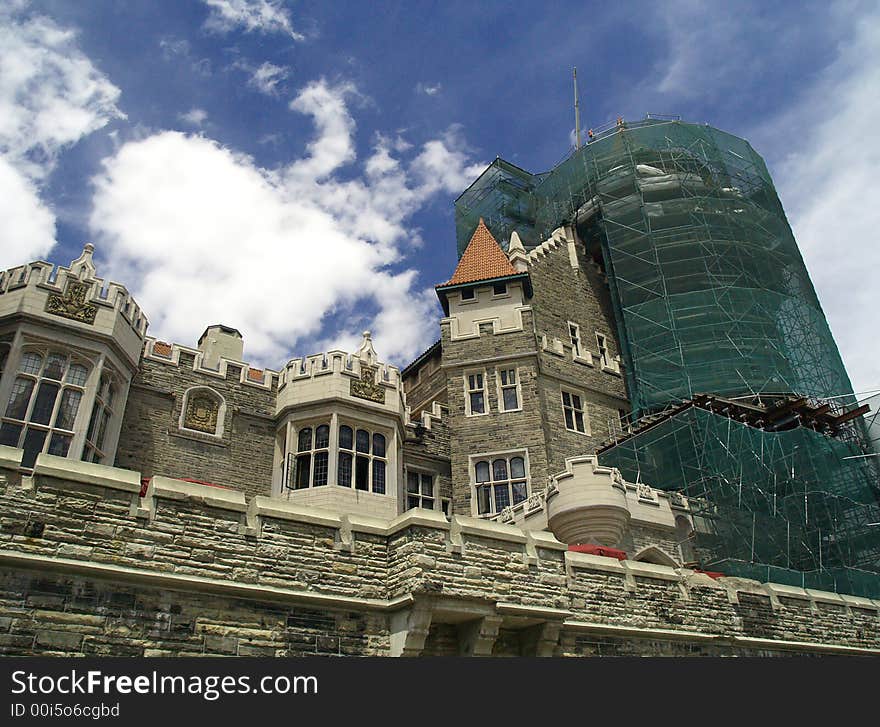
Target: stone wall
{"x": 152, "y": 442}
{"x": 88, "y": 566}
{"x": 496, "y": 431}
{"x": 562, "y": 294}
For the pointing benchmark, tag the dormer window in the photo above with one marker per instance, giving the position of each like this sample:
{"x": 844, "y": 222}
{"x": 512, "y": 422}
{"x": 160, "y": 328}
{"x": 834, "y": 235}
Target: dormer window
{"x": 468, "y": 294}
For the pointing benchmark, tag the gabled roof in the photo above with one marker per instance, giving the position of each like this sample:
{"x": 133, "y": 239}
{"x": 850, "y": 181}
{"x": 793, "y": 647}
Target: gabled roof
{"x": 483, "y": 259}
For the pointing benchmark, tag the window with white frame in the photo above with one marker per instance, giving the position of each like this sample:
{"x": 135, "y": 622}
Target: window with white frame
{"x": 499, "y": 289}
{"x": 420, "y": 489}
{"x": 95, "y": 449}
{"x": 602, "y": 343}
{"x": 475, "y": 400}
{"x": 508, "y": 389}
{"x": 499, "y": 481}
{"x": 308, "y": 466}
{"x": 574, "y": 336}
{"x": 574, "y": 412}
{"x": 363, "y": 460}
{"x": 468, "y": 294}
{"x": 42, "y": 407}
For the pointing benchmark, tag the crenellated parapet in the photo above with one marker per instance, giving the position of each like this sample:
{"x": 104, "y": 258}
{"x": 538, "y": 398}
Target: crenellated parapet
{"x": 169, "y": 354}
{"x": 177, "y": 544}
{"x": 76, "y": 299}
{"x": 588, "y": 503}
{"x": 358, "y": 378}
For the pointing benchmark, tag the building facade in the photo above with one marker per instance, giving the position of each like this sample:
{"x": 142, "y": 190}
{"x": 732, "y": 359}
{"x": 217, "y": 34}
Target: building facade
{"x": 159, "y": 498}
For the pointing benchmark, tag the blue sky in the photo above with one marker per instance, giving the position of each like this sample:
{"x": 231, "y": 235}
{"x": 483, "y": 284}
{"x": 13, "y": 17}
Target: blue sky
{"x": 289, "y": 168}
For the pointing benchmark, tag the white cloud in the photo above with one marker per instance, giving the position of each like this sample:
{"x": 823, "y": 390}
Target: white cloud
{"x": 828, "y": 184}
{"x": 202, "y": 234}
{"x": 27, "y": 231}
{"x": 264, "y": 16}
{"x": 50, "y": 93}
{"x": 51, "y": 96}
{"x": 195, "y": 117}
{"x": 265, "y": 78}
{"x": 429, "y": 89}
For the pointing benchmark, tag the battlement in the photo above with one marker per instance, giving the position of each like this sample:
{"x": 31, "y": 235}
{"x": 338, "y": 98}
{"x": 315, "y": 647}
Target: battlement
{"x": 170, "y": 353}
{"x": 338, "y": 375}
{"x": 75, "y": 296}
{"x": 74, "y": 526}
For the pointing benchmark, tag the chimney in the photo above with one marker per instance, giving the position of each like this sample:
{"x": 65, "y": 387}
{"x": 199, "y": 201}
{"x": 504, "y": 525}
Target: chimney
{"x": 220, "y": 342}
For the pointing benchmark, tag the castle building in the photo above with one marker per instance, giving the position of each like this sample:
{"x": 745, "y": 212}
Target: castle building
{"x": 159, "y": 498}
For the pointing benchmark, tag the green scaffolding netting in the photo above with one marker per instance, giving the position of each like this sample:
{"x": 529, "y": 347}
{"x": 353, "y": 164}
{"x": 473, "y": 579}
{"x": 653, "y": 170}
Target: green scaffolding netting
{"x": 710, "y": 295}
{"x": 795, "y": 507}
{"x": 709, "y": 288}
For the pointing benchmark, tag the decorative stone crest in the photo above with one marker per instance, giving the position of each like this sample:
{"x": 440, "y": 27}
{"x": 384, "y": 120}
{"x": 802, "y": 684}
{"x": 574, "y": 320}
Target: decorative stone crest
{"x": 73, "y": 303}
{"x": 675, "y": 498}
{"x": 201, "y": 413}
{"x": 646, "y": 492}
{"x": 366, "y": 387}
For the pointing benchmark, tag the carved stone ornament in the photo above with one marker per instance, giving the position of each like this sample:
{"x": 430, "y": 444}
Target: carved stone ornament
{"x": 366, "y": 388}
{"x": 201, "y": 413}
{"x": 646, "y": 492}
{"x": 73, "y": 303}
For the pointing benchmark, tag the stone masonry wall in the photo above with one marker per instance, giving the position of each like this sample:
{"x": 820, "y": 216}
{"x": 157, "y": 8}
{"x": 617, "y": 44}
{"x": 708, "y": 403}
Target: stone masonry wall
{"x": 495, "y": 431}
{"x": 425, "y": 384}
{"x": 564, "y": 294}
{"x": 91, "y": 568}
{"x": 152, "y": 442}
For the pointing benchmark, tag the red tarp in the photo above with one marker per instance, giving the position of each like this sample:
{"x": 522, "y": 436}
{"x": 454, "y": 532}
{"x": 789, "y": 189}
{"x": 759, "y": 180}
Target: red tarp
{"x": 145, "y": 482}
{"x": 599, "y": 550}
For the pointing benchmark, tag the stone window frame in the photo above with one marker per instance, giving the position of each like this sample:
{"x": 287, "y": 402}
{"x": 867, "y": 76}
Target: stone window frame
{"x": 577, "y": 344}
{"x": 221, "y": 412}
{"x": 492, "y": 482}
{"x": 472, "y": 297}
{"x": 604, "y": 351}
{"x": 468, "y": 412}
{"x": 53, "y": 432}
{"x": 298, "y": 454}
{"x": 505, "y": 293}
{"x": 371, "y": 458}
{"x": 585, "y": 414}
{"x": 500, "y": 387}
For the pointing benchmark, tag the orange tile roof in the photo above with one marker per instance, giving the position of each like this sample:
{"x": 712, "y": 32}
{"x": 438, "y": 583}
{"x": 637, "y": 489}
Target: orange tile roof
{"x": 483, "y": 259}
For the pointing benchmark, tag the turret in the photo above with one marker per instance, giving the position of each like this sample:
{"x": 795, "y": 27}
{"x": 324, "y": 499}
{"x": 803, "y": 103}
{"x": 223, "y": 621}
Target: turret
{"x": 69, "y": 345}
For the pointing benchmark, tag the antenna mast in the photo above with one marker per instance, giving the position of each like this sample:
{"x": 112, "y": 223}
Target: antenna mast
{"x": 577, "y": 113}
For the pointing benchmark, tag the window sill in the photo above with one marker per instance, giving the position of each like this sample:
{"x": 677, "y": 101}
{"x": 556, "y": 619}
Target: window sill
{"x": 575, "y": 431}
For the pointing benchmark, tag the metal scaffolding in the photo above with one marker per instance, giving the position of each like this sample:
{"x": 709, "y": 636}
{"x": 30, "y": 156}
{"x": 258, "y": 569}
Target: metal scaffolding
{"x": 711, "y": 296}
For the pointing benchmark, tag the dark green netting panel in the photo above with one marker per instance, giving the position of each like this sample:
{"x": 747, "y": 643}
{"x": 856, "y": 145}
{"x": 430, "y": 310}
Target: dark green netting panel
{"x": 709, "y": 288}
{"x": 797, "y": 505}
{"x": 710, "y": 295}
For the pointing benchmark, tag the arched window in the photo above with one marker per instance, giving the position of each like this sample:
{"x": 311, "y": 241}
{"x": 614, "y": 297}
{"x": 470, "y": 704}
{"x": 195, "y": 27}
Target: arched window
{"x": 203, "y": 411}
{"x": 362, "y": 460}
{"x": 310, "y": 461}
{"x": 94, "y": 449}
{"x": 43, "y": 405}
{"x": 500, "y": 481}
